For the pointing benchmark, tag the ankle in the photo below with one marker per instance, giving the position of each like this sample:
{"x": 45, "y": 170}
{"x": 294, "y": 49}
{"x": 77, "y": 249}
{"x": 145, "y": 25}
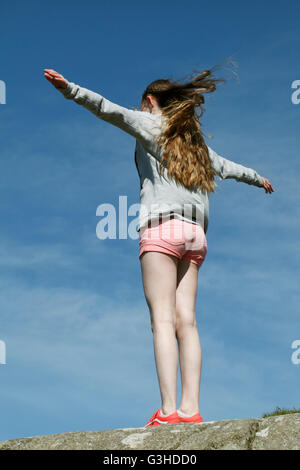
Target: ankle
{"x": 188, "y": 411}
{"x": 167, "y": 411}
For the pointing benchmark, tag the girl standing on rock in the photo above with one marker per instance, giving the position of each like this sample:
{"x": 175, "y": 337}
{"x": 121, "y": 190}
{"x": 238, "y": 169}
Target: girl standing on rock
{"x": 176, "y": 170}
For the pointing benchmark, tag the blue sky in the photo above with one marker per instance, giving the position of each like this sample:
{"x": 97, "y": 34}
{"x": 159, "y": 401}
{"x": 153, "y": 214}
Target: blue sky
{"x": 73, "y": 314}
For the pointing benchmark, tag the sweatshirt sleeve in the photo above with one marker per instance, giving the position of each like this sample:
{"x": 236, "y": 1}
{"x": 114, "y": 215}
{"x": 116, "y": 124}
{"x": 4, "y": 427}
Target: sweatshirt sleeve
{"x": 226, "y": 169}
{"x": 135, "y": 123}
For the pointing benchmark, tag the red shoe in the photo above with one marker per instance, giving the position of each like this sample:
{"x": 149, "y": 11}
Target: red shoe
{"x": 196, "y": 418}
{"x": 157, "y": 419}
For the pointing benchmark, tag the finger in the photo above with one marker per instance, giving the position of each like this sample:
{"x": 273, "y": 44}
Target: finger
{"x": 268, "y": 185}
{"x": 49, "y": 77}
{"x": 51, "y": 80}
{"x": 54, "y": 74}
{"x": 59, "y": 77}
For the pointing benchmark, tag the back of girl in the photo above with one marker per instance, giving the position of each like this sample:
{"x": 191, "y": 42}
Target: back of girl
{"x": 177, "y": 174}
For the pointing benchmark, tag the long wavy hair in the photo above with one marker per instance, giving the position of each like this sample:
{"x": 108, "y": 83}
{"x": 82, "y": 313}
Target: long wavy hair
{"x": 185, "y": 153}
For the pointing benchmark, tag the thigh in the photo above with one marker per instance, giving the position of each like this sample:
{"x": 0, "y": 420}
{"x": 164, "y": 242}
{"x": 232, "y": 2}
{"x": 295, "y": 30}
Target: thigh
{"x": 186, "y": 292}
{"x": 159, "y": 275}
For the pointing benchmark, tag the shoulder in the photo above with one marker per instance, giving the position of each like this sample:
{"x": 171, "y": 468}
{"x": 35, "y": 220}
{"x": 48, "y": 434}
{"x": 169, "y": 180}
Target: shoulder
{"x": 151, "y": 122}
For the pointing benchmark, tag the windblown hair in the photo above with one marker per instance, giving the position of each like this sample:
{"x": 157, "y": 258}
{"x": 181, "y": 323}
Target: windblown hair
{"x": 185, "y": 153}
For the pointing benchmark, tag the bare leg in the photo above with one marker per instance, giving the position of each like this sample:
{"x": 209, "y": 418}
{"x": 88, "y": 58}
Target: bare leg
{"x": 188, "y": 337}
{"x": 159, "y": 273}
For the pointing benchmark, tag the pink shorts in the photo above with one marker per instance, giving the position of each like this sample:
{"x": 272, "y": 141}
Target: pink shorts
{"x": 176, "y": 237}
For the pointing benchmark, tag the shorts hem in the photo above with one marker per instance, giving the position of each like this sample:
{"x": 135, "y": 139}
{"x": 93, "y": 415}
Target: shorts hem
{"x": 194, "y": 261}
{"x": 158, "y": 248}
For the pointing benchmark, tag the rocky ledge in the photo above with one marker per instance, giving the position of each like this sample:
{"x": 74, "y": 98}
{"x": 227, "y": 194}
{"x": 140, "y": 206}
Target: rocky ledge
{"x": 274, "y": 432}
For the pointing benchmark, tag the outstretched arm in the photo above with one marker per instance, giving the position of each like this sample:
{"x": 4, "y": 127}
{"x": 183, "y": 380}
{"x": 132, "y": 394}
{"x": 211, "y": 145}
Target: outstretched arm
{"x": 136, "y": 123}
{"x": 226, "y": 169}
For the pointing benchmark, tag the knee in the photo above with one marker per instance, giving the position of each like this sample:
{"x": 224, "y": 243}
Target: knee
{"x": 161, "y": 325}
{"x": 184, "y": 322}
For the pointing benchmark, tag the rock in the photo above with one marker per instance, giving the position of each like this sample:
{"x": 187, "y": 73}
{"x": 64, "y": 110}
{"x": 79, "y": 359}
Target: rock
{"x": 276, "y": 432}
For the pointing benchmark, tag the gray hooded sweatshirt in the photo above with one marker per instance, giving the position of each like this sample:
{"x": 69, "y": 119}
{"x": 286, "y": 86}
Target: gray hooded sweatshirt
{"x": 160, "y": 195}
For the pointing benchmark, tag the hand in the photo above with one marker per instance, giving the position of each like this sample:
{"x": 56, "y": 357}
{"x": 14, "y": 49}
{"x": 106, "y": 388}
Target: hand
{"x": 55, "y": 78}
{"x": 267, "y": 185}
